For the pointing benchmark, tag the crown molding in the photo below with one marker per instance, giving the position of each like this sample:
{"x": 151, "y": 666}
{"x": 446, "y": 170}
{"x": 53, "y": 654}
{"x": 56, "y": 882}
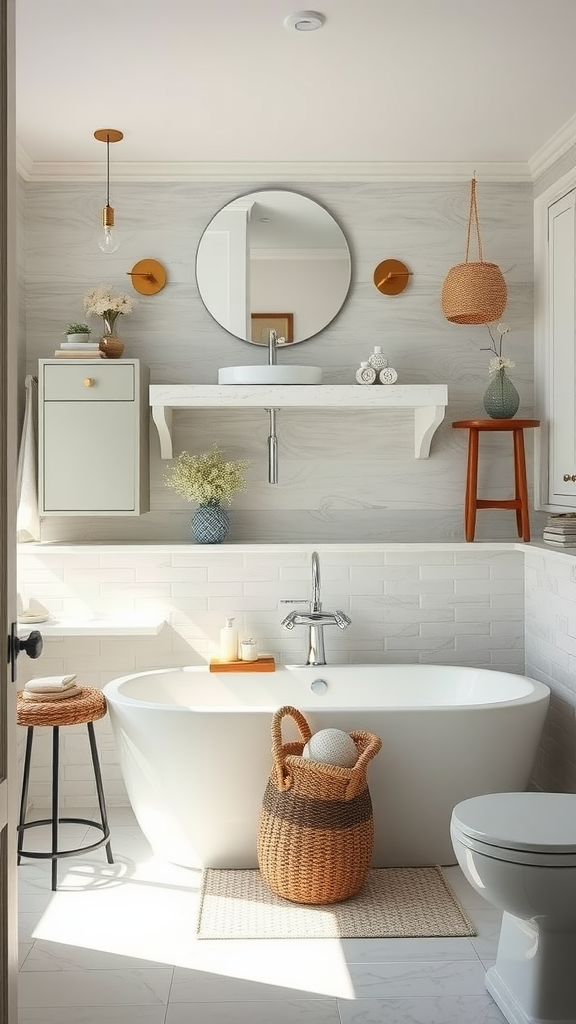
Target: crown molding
{"x": 353, "y": 170}
{"x": 552, "y": 150}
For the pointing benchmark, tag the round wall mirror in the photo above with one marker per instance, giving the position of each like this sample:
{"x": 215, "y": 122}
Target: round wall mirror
{"x": 273, "y": 260}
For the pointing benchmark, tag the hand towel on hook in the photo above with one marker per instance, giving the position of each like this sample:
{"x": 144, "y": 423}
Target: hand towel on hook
{"x": 27, "y": 516}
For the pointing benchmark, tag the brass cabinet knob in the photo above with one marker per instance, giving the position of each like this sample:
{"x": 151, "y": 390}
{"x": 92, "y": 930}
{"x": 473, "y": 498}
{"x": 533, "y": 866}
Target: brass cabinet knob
{"x": 567, "y": 477}
{"x": 88, "y": 382}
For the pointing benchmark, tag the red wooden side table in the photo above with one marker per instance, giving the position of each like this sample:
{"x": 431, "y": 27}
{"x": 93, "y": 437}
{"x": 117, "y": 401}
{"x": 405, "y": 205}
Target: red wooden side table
{"x": 520, "y": 500}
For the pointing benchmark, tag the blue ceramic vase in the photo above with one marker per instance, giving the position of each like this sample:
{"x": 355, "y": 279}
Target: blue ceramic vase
{"x": 210, "y": 523}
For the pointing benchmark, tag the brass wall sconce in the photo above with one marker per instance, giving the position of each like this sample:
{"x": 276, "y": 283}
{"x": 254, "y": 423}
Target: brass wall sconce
{"x": 391, "y": 277}
{"x": 108, "y": 241}
{"x": 148, "y": 277}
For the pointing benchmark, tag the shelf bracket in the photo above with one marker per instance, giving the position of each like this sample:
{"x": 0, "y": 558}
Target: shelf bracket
{"x": 162, "y": 416}
{"x": 427, "y": 419}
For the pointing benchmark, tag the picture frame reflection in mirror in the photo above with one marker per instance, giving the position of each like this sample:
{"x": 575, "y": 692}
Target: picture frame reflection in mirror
{"x": 263, "y": 323}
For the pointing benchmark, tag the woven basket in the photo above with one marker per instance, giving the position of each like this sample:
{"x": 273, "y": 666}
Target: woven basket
{"x": 474, "y": 293}
{"x": 316, "y": 828}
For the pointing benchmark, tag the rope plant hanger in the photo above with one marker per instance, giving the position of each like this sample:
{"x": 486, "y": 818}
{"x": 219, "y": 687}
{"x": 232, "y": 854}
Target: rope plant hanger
{"x": 474, "y": 293}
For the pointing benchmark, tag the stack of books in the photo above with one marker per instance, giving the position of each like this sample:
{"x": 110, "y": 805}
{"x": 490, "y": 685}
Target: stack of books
{"x": 561, "y": 529}
{"x": 82, "y": 350}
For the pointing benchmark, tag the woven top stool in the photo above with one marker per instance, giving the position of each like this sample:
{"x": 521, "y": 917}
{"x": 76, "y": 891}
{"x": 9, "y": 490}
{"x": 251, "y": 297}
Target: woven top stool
{"x": 82, "y": 709}
{"x": 519, "y": 503}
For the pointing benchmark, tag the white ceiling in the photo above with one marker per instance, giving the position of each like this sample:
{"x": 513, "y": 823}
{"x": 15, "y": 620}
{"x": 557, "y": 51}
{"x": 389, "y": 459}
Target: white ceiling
{"x": 472, "y": 82}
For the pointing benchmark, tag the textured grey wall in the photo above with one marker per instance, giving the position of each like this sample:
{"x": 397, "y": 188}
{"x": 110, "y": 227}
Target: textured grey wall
{"x": 344, "y": 476}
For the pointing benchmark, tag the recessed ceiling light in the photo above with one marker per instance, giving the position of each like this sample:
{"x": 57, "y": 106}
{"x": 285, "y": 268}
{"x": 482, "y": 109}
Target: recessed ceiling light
{"x": 304, "y": 21}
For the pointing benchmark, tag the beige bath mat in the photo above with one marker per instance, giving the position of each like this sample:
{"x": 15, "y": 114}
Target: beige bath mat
{"x": 393, "y": 902}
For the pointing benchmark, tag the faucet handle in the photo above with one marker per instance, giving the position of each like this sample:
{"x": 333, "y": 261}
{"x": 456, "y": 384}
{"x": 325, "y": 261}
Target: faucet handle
{"x": 342, "y": 619}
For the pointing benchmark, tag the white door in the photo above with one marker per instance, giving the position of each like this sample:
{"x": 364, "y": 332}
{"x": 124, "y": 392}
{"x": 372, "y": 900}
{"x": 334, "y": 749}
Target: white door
{"x": 8, "y": 444}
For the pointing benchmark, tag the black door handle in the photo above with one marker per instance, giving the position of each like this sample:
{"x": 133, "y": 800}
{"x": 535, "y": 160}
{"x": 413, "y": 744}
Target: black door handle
{"x": 32, "y": 645}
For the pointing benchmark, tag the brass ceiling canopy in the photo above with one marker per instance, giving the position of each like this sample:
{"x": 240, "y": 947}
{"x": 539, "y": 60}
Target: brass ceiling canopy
{"x": 391, "y": 277}
{"x": 148, "y": 277}
{"x": 108, "y": 135}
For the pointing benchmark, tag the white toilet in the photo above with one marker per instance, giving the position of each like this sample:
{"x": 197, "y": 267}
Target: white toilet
{"x": 518, "y": 850}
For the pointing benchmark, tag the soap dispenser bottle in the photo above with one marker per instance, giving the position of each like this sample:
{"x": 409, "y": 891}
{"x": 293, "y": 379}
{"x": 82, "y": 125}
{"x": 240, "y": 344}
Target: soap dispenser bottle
{"x": 229, "y": 641}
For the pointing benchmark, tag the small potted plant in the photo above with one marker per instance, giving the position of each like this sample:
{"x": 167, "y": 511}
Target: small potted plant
{"x": 78, "y": 334}
{"x": 209, "y": 480}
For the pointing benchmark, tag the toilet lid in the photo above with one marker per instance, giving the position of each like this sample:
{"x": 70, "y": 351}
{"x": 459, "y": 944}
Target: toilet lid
{"x": 534, "y": 822}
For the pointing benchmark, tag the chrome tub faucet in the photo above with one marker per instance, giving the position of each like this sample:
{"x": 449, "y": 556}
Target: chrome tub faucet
{"x": 315, "y": 619}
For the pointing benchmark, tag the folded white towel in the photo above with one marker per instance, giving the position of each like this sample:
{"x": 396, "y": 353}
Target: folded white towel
{"x": 50, "y": 684}
{"x": 35, "y": 612}
{"x": 71, "y": 691}
{"x": 28, "y": 518}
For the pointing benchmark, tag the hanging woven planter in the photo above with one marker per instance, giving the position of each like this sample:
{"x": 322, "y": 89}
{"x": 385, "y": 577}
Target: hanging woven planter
{"x": 474, "y": 293}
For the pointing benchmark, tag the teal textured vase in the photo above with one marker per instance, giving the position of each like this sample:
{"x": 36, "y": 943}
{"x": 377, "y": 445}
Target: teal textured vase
{"x": 501, "y": 400}
{"x": 210, "y": 523}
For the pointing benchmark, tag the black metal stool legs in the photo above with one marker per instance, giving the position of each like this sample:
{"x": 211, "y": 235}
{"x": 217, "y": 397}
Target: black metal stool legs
{"x": 55, "y": 802}
{"x": 100, "y": 790}
{"x": 25, "y": 784}
{"x": 55, "y": 820}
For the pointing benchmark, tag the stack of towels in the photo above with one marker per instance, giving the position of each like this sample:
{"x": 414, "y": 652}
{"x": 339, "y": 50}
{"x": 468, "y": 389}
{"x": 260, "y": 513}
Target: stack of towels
{"x": 51, "y": 688}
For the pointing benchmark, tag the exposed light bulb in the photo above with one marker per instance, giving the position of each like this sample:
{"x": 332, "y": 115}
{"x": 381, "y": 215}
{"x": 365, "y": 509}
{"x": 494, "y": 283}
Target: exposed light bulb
{"x": 108, "y": 239}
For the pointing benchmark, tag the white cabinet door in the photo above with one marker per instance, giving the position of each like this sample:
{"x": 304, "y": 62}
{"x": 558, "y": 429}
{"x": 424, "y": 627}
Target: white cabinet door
{"x": 93, "y": 437}
{"x": 562, "y": 390}
{"x": 89, "y": 457}
{"x": 555, "y": 345}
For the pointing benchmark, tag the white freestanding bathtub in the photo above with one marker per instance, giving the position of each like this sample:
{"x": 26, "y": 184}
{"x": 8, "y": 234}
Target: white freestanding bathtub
{"x": 194, "y": 749}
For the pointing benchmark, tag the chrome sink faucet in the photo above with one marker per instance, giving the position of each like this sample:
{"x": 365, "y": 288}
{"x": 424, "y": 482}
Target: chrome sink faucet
{"x": 315, "y": 619}
{"x": 272, "y": 342}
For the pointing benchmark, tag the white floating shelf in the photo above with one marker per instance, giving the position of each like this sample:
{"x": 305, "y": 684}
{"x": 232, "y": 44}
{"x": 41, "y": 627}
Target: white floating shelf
{"x": 428, "y": 401}
{"x": 95, "y": 627}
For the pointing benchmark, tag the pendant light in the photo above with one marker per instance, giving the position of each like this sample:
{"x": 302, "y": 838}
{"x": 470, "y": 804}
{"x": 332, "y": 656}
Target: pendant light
{"x": 108, "y": 241}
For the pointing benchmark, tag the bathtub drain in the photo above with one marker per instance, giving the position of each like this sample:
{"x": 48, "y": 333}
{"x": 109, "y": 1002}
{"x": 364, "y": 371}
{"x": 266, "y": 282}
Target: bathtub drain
{"x": 319, "y": 686}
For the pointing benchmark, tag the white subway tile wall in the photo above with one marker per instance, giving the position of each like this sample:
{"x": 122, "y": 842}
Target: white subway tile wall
{"x": 551, "y": 657}
{"x": 442, "y": 604}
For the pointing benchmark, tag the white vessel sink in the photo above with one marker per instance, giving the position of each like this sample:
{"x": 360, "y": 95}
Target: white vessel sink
{"x": 264, "y": 374}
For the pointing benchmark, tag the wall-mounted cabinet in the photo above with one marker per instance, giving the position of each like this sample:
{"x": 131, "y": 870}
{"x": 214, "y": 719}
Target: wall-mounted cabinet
{"x": 93, "y": 437}
{"x": 555, "y": 345}
{"x": 428, "y": 401}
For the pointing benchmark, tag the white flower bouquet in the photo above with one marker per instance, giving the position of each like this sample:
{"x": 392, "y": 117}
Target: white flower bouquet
{"x": 498, "y": 361}
{"x": 207, "y": 478}
{"x": 101, "y": 301}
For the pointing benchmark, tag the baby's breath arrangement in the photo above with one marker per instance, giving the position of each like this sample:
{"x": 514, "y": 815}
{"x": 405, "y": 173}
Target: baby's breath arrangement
{"x": 207, "y": 478}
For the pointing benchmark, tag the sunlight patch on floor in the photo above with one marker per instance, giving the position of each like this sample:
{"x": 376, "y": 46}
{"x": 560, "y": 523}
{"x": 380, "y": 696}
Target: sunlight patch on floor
{"x": 148, "y": 909}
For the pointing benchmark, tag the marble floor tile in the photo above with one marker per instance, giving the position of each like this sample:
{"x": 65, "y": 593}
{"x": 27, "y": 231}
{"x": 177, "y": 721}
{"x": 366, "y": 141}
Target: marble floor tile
{"x": 424, "y": 978}
{"x": 24, "y": 949}
{"x": 291, "y": 1011}
{"x": 56, "y": 956}
{"x": 92, "y": 1015}
{"x": 117, "y": 943}
{"x": 131, "y": 987}
{"x": 479, "y": 1009}
{"x": 204, "y": 987}
{"x": 368, "y": 951}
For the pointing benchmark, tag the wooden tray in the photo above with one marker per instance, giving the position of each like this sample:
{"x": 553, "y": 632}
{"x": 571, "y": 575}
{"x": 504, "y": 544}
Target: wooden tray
{"x": 264, "y": 664}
